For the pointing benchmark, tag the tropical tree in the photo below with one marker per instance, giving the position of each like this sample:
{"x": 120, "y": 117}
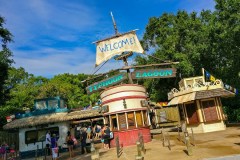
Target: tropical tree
{"x": 207, "y": 40}
{"x": 5, "y": 58}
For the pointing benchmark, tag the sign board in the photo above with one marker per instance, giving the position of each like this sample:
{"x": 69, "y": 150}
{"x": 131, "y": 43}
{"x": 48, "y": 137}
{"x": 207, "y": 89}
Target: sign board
{"x": 108, "y": 48}
{"x": 163, "y": 116}
{"x": 106, "y": 83}
{"x": 154, "y": 73}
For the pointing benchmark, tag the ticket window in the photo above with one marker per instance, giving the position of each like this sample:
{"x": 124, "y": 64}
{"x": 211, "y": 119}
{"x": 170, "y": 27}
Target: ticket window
{"x": 122, "y": 121}
{"x": 114, "y": 123}
{"x": 139, "y": 118}
{"x": 131, "y": 120}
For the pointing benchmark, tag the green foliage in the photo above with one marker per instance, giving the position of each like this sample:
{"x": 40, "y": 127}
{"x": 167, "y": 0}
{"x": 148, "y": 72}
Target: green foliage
{"x": 207, "y": 40}
{"x": 5, "y": 58}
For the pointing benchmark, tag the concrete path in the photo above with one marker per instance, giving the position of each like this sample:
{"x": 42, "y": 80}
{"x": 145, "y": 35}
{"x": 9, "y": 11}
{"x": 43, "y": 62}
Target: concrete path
{"x": 233, "y": 157}
{"x": 221, "y": 145}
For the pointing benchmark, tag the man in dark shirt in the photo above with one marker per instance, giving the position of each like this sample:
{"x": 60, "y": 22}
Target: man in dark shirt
{"x": 106, "y": 137}
{"x": 83, "y": 140}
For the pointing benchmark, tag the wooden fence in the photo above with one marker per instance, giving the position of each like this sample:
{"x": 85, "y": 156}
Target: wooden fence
{"x": 167, "y": 116}
{"x": 11, "y": 138}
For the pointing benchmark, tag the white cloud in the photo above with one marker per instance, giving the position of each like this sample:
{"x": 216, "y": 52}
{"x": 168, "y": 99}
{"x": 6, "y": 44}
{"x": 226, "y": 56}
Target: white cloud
{"x": 29, "y": 19}
{"x": 79, "y": 60}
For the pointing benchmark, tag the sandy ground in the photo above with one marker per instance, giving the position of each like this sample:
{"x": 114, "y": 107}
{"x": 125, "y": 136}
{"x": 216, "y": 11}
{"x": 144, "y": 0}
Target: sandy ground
{"x": 208, "y": 145}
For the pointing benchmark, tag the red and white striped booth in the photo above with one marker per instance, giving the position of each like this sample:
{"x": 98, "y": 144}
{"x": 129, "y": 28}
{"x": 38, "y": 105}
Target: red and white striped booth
{"x": 127, "y": 115}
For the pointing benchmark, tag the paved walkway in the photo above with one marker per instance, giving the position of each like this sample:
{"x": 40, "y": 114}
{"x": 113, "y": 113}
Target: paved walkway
{"x": 234, "y": 157}
{"x": 225, "y": 145}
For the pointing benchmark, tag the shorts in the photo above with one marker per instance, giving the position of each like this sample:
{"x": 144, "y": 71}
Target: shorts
{"x": 106, "y": 139}
{"x": 54, "y": 154}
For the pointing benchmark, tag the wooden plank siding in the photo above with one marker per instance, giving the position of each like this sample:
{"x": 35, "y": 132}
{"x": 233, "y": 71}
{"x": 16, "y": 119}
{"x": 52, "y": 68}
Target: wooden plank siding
{"x": 9, "y": 138}
{"x": 191, "y": 110}
{"x": 210, "y": 110}
{"x": 172, "y": 116}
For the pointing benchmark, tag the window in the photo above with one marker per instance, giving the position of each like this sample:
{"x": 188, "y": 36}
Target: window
{"x": 191, "y": 110}
{"x": 34, "y": 136}
{"x": 122, "y": 121}
{"x": 139, "y": 119}
{"x": 131, "y": 120}
{"x": 52, "y": 104}
{"x": 114, "y": 122}
{"x": 145, "y": 118}
{"x": 41, "y": 105}
{"x": 209, "y": 110}
{"x": 62, "y": 104}
{"x": 31, "y": 137}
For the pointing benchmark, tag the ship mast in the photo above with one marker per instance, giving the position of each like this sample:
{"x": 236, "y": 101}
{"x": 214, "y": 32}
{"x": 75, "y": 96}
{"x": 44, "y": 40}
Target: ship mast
{"x": 123, "y": 56}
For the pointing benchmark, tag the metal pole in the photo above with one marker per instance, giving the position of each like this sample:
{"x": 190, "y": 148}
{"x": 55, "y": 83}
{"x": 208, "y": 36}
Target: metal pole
{"x": 114, "y": 24}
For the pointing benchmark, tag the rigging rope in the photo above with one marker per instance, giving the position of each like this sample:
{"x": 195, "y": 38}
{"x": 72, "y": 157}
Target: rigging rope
{"x": 100, "y": 67}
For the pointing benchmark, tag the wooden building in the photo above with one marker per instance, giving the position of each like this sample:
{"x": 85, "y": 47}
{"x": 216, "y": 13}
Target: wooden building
{"x": 127, "y": 113}
{"x": 48, "y": 114}
{"x": 200, "y": 104}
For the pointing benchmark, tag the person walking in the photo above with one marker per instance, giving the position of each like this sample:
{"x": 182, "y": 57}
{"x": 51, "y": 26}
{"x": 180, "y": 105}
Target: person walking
{"x": 89, "y": 131}
{"x": 3, "y": 151}
{"x": 102, "y": 135}
{"x": 97, "y": 130}
{"x": 83, "y": 141}
{"x": 48, "y": 143}
{"x": 70, "y": 143}
{"x": 106, "y": 137}
{"x": 54, "y": 147}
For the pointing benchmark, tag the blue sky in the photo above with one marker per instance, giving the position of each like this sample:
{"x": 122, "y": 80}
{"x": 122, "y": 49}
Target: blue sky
{"x": 55, "y": 36}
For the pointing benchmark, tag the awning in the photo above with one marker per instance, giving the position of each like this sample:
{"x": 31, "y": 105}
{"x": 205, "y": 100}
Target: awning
{"x": 197, "y": 95}
{"x": 182, "y": 99}
{"x": 220, "y": 92}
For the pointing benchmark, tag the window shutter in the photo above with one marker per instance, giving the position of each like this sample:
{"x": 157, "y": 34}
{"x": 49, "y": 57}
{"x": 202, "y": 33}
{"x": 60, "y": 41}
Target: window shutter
{"x": 122, "y": 121}
{"x": 209, "y": 110}
{"x": 191, "y": 113}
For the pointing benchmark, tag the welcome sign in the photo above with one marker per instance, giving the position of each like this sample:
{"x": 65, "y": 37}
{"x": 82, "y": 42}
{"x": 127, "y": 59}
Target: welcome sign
{"x": 106, "y": 83}
{"x": 154, "y": 73}
{"x": 116, "y": 45}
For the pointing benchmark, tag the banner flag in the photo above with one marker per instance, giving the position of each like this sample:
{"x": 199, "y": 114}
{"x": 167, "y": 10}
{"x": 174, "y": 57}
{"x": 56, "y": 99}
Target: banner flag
{"x": 230, "y": 88}
{"x": 108, "y": 48}
{"x": 208, "y": 76}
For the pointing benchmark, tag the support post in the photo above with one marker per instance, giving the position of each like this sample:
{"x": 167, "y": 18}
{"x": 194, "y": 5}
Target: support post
{"x": 139, "y": 153}
{"x": 36, "y": 153}
{"x": 189, "y": 147}
{"x": 168, "y": 139}
{"x": 193, "y": 139}
{"x": 179, "y": 136}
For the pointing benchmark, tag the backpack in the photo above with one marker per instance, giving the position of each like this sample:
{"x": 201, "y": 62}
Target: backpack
{"x": 111, "y": 135}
